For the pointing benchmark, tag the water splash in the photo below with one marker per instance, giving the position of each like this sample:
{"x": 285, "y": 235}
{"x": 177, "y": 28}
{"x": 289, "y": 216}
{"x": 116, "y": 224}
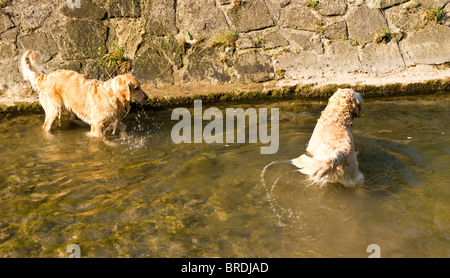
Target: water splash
{"x": 142, "y": 129}
{"x": 278, "y": 210}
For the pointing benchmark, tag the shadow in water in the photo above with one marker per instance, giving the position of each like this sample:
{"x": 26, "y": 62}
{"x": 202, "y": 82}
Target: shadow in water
{"x": 294, "y": 201}
{"x": 388, "y": 166}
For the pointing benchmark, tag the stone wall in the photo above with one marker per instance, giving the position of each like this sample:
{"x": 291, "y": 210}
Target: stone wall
{"x": 221, "y": 41}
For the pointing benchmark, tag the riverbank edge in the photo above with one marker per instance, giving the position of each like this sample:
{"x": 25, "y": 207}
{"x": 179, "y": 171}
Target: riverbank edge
{"x": 259, "y": 93}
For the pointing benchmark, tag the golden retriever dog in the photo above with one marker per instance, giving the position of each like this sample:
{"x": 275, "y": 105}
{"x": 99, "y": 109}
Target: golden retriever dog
{"x": 97, "y": 103}
{"x": 331, "y": 155}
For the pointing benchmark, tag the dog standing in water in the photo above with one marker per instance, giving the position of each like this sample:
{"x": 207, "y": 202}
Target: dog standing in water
{"x": 331, "y": 155}
{"x": 99, "y": 104}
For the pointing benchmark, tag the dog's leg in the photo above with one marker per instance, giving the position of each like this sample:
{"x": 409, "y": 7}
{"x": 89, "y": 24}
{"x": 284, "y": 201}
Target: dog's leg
{"x": 71, "y": 116}
{"x": 122, "y": 128}
{"x": 52, "y": 108}
{"x": 96, "y": 130}
{"x": 49, "y": 119}
{"x": 357, "y": 178}
{"x": 351, "y": 176}
{"x": 114, "y": 127}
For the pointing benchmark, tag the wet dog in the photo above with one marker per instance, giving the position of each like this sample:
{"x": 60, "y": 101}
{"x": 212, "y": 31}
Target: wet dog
{"x": 97, "y": 103}
{"x": 331, "y": 155}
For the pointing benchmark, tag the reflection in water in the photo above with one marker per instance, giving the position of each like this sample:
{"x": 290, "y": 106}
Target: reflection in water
{"x": 144, "y": 196}
{"x": 388, "y": 170}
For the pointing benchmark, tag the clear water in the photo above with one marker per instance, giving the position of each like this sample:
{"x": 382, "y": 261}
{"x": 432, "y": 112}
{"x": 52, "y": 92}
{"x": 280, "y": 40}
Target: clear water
{"x": 144, "y": 196}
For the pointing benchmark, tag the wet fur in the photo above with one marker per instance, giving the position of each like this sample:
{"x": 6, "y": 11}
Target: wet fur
{"x": 331, "y": 155}
{"x": 99, "y": 104}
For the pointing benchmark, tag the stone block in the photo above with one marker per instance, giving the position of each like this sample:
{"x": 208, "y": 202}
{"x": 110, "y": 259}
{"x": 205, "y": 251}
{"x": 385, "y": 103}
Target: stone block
{"x": 39, "y": 42}
{"x": 400, "y": 18}
{"x": 8, "y": 47}
{"x": 253, "y": 67}
{"x": 273, "y": 39}
{"x": 160, "y": 17}
{"x": 297, "y": 16}
{"x": 156, "y": 58}
{"x": 201, "y": 18}
{"x": 430, "y": 45}
{"x": 204, "y": 65}
{"x": 244, "y": 42}
{"x": 32, "y": 17}
{"x": 434, "y": 3}
{"x": 82, "y": 39}
{"x": 123, "y": 8}
{"x": 332, "y": 7}
{"x": 251, "y": 15}
{"x": 91, "y": 9}
{"x": 381, "y": 58}
{"x": 341, "y": 56}
{"x": 304, "y": 41}
{"x": 127, "y": 33}
{"x": 364, "y": 23}
{"x": 301, "y": 65}
{"x": 5, "y": 22}
{"x": 383, "y": 4}
{"x": 336, "y": 30}
{"x": 150, "y": 66}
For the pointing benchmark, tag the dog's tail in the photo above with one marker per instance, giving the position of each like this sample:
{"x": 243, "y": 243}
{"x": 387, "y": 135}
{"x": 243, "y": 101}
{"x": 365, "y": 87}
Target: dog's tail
{"x": 319, "y": 171}
{"x": 29, "y": 67}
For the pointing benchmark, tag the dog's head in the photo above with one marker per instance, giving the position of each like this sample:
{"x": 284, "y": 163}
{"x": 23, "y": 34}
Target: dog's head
{"x": 130, "y": 88}
{"x": 349, "y": 100}
{"x": 357, "y": 103}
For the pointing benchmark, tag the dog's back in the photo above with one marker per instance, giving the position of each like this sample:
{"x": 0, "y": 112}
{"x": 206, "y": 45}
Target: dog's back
{"x": 331, "y": 155}
{"x": 59, "y": 90}
{"x": 98, "y": 103}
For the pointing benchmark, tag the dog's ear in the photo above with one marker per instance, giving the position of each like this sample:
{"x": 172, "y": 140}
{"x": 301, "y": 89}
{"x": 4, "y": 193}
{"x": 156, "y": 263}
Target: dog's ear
{"x": 125, "y": 91}
{"x": 130, "y": 80}
{"x": 125, "y": 84}
{"x": 357, "y": 102}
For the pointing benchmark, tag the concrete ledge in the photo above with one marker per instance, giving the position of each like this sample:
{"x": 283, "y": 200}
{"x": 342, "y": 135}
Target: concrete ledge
{"x": 307, "y": 91}
{"x": 175, "y": 96}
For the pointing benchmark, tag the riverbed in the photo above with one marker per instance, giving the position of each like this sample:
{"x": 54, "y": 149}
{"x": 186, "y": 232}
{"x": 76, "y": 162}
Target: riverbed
{"x": 145, "y": 196}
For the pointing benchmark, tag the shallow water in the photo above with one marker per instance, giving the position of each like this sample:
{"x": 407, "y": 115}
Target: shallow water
{"x": 144, "y": 196}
